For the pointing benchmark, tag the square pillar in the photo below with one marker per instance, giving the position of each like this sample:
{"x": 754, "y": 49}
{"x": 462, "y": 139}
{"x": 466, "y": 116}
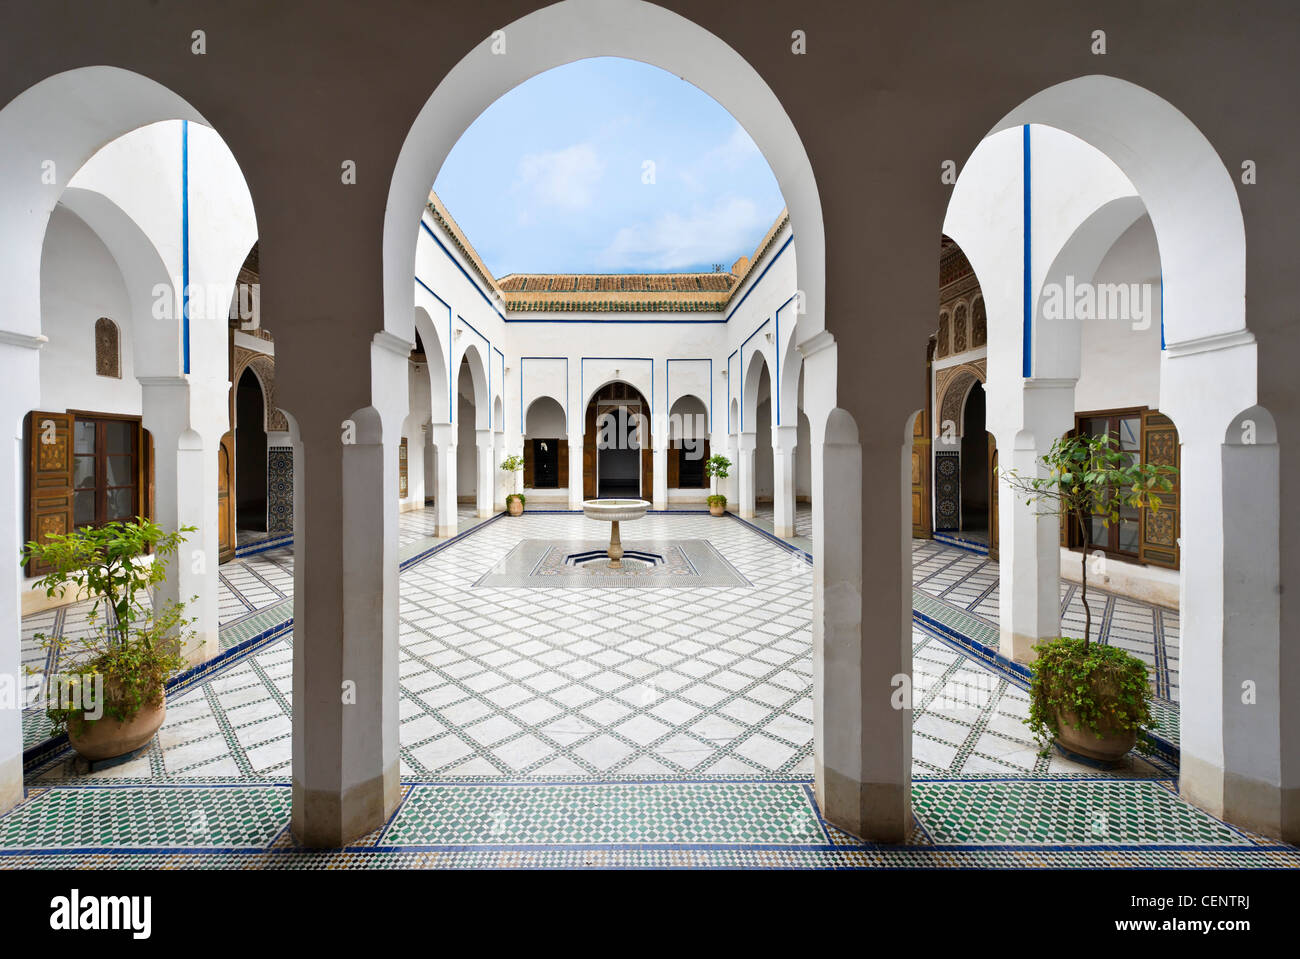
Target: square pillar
{"x": 186, "y": 419}
{"x": 345, "y": 678}
{"x": 498, "y": 477}
{"x": 443, "y": 436}
{"x": 745, "y": 465}
{"x": 659, "y": 454}
{"x": 20, "y": 368}
{"x": 575, "y": 471}
{"x": 486, "y": 474}
{"x": 783, "y": 445}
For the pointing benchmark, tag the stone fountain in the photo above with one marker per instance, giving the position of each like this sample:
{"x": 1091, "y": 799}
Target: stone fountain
{"x": 614, "y": 511}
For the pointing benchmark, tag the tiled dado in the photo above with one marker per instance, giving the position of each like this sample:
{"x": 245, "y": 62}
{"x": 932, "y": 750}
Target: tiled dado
{"x": 661, "y": 824}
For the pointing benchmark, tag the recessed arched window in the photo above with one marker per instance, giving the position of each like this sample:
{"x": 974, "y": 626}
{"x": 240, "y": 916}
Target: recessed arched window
{"x": 108, "y": 351}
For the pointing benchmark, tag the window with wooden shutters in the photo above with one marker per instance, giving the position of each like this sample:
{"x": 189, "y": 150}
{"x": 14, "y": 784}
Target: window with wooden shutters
{"x": 105, "y": 469}
{"x": 108, "y": 348}
{"x": 1160, "y": 528}
{"x": 403, "y": 481}
{"x": 49, "y": 481}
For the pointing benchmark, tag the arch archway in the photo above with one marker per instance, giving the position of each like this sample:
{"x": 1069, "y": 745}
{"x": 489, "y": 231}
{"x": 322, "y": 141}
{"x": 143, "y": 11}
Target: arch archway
{"x": 1208, "y": 374}
{"x": 617, "y": 444}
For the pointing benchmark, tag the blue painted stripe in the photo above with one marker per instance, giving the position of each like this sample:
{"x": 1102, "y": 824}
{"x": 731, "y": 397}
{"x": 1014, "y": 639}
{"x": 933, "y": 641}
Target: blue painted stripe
{"x": 472, "y": 282}
{"x": 185, "y": 244}
{"x": 753, "y": 285}
{"x": 1027, "y": 345}
{"x": 1162, "y": 309}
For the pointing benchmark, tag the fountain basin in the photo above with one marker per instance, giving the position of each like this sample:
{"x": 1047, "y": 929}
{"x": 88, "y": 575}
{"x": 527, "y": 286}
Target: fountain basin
{"x": 614, "y": 510}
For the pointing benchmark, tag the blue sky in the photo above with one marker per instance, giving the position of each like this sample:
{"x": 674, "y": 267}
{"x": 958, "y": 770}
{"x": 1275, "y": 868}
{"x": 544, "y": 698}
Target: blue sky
{"x": 549, "y": 179}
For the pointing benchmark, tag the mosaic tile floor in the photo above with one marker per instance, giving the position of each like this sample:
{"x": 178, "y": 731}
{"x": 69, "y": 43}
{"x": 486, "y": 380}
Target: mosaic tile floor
{"x": 556, "y": 728}
{"x": 969, "y": 582}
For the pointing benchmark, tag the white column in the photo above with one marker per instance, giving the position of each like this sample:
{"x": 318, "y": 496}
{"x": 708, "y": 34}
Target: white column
{"x": 659, "y": 486}
{"x": 444, "y": 440}
{"x": 745, "y": 465}
{"x": 575, "y": 471}
{"x": 1029, "y": 538}
{"x": 730, "y": 486}
{"x": 498, "y": 475}
{"x": 486, "y": 479}
{"x": 20, "y": 367}
{"x": 783, "y": 445}
{"x": 415, "y": 468}
{"x": 186, "y": 419}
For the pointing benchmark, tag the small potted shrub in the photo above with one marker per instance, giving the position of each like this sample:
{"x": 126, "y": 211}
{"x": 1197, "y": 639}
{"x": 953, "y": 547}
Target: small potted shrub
{"x": 1092, "y": 700}
{"x": 513, "y": 464}
{"x": 716, "y": 467}
{"x": 111, "y": 695}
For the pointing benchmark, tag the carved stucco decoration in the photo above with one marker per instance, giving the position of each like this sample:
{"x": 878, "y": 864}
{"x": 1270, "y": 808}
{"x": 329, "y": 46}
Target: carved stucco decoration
{"x": 951, "y": 386}
{"x": 264, "y": 367}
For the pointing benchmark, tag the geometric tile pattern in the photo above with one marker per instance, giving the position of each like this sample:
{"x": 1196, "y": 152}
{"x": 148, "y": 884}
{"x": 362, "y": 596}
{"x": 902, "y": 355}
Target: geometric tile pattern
{"x": 604, "y": 813}
{"x": 969, "y": 582}
{"x": 139, "y": 818}
{"x": 666, "y": 728}
{"x": 1053, "y": 813}
{"x": 678, "y": 562}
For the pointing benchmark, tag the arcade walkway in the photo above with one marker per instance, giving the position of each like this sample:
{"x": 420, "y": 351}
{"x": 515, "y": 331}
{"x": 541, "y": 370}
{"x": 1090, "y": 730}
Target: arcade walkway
{"x": 664, "y": 724}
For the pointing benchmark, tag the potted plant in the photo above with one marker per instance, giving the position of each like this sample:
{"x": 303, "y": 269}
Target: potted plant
{"x": 716, "y": 467}
{"x": 512, "y": 464}
{"x": 112, "y": 679}
{"x": 1092, "y": 700}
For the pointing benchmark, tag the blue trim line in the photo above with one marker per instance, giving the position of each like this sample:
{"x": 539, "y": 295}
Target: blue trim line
{"x": 582, "y": 374}
{"x": 729, "y": 390}
{"x": 1162, "y": 309}
{"x": 1027, "y": 345}
{"x": 472, "y": 281}
{"x": 766, "y": 321}
{"x": 185, "y": 244}
{"x": 522, "y": 424}
{"x": 451, "y": 383}
{"x": 668, "y": 368}
{"x": 757, "y": 279}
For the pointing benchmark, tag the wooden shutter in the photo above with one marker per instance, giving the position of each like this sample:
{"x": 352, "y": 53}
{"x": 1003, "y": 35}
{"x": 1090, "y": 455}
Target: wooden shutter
{"x": 403, "y": 481}
{"x": 674, "y": 467}
{"x": 704, "y": 477}
{"x": 530, "y": 474}
{"x": 589, "y": 454}
{"x": 647, "y": 464}
{"x": 562, "y": 471}
{"x": 49, "y": 479}
{"x": 1158, "y": 544}
{"x": 225, "y": 507}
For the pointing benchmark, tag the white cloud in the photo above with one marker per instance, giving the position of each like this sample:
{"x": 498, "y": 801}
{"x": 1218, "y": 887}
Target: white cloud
{"x": 675, "y": 241}
{"x": 562, "y": 178}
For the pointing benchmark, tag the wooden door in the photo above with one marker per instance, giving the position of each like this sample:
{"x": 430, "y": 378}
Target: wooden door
{"x": 589, "y": 454}
{"x": 562, "y": 467}
{"x": 993, "y": 497}
{"x": 921, "y": 476}
{"x": 647, "y": 460}
{"x": 530, "y": 464}
{"x": 225, "y": 502}
{"x": 1158, "y": 542}
{"x": 50, "y": 480}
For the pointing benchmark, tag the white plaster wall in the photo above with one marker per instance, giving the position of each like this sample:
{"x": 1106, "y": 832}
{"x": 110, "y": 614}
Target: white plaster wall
{"x": 545, "y": 419}
{"x": 1120, "y": 365}
{"x": 80, "y": 282}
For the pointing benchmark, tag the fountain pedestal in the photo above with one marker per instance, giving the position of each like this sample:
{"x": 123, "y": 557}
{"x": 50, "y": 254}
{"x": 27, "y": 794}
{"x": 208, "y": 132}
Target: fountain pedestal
{"x": 614, "y": 511}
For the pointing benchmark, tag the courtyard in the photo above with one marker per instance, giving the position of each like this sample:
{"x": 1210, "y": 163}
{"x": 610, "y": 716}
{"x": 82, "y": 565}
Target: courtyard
{"x": 646, "y": 725}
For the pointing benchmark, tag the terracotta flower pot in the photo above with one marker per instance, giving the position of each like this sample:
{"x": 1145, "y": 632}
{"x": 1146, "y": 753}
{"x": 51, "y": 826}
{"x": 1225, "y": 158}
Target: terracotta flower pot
{"x": 107, "y": 738}
{"x": 1113, "y": 745}
{"x": 515, "y": 507}
{"x": 716, "y": 509}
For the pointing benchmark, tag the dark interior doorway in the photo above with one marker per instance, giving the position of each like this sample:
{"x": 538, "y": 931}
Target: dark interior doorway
{"x": 250, "y": 454}
{"x": 546, "y": 464}
{"x": 974, "y": 465}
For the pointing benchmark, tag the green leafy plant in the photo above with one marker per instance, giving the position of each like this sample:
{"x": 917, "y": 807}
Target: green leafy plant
{"x": 717, "y": 499}
{"x": 513, "y": 463}
{"x": 717, "y": 466}
{"x": 518, "y": 496}
{"x": 1104, "y": 688}
{"x": 132, "y": 645}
